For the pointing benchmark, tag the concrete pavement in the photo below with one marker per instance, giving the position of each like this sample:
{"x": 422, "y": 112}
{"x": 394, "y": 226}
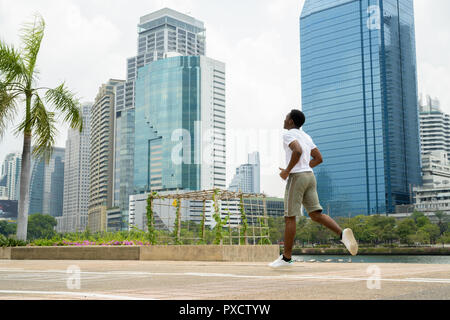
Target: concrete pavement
{"x": 170, "y": 280}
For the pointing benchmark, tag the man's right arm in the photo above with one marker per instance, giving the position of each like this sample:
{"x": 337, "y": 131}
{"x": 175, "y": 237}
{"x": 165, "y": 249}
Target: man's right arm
{"x": 317, "y": 158}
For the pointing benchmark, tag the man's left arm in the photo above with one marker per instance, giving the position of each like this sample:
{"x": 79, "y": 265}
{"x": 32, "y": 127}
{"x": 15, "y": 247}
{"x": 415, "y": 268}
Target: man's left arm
{"x": 295, "y": 158}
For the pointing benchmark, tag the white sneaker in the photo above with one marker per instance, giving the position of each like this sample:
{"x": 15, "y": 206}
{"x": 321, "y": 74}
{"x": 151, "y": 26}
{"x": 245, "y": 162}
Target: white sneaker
{"x": 280, "y": 263}
{"x": 348, "y": 239}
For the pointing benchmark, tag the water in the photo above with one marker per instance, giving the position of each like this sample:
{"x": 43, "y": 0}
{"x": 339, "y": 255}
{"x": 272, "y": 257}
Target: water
{"x": 374, "y": 259}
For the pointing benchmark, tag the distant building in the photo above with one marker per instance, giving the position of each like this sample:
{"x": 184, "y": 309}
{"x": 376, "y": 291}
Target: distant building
{"x": 8, "y": 210}
{"x": 101, "y": 162}
{"x": 253, "y": 206}
{"x": 47, "y": 184}
{"x": 10, "y": 176}
{"x": 434, "y": 194}
{"x": 4, "y": 193}
{"x": 359, "y": 95}
{"x": 434, "y": 126}
{"x": 247, "y": 177}
{"x": 161, "y": 34}
{"x": 180, "y": 137}
{"x": 191, "y": 210}
{"x": 76, "y": 177}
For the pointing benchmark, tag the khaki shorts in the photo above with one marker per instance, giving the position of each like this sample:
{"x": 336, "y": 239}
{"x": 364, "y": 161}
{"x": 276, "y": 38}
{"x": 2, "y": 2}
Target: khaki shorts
{"x": 301, "y": 189}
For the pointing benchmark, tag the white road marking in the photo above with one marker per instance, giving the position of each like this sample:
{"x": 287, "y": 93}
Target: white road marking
{"x": 79, "y": 294}
{"x": 226, "y": 275}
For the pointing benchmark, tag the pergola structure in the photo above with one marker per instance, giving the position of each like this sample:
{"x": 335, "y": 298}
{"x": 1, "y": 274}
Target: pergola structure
{"x": 258, "y": 210}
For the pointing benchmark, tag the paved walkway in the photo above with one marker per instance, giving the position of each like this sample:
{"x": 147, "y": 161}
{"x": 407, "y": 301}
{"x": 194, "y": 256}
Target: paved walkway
{"x": 218, "y": 280}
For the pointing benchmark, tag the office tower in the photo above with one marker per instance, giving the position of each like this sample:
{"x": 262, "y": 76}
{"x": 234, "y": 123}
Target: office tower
{"x": 101, "y": 161}
{"x": 434, "y": 126}
{"x": 47, "y": 184}
{"x": 10, "y": 177}
{"x": 247, "y": 178}
{"x": 180, "y": 125}
{"x": 359, "y": 94}
{"x": 76, "y": 177}
{"x": 160, "y": 34}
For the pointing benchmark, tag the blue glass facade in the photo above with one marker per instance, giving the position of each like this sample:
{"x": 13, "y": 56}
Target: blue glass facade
{"x": 37, "y": 188}
{"x": 167, "y": 108}
{"x": 359, "y": 94}
{"x": 124, "y": 150}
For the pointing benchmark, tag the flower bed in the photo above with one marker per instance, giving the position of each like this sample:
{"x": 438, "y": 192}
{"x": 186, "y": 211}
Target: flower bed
{"x": 65, "y": 243}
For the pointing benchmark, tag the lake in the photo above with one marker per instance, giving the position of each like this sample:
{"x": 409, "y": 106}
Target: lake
{"x": 374, "y": 259}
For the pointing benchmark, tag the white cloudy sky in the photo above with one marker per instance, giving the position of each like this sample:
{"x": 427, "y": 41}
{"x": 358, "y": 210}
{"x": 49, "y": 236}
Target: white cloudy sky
{"x": 87, "y": 42}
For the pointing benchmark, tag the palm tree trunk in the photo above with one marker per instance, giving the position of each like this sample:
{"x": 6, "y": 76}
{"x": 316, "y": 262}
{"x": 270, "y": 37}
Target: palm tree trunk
{"x": 25, "y": 175}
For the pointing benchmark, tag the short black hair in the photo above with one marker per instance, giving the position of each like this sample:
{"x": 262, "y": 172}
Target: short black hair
{"x": 298, "y": 117}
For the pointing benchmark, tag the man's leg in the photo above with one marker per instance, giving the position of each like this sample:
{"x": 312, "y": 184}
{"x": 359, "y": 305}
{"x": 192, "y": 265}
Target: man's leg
{"x": 289, "y": 236}
{"x": 326, "y": 221}
{"x": 312, "y": 205}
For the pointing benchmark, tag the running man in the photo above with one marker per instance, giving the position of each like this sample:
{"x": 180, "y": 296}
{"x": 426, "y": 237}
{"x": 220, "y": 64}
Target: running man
{"x": 301, "y": 188}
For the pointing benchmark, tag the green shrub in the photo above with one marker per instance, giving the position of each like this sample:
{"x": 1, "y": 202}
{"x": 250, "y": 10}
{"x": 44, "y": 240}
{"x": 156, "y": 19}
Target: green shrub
{"x": 10, "y": 242}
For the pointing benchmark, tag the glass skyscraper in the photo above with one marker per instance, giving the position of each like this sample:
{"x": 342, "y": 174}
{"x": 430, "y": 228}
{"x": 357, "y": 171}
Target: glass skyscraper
{"x": 180, "y": 125}
{"x": 160, "y": 33}
{"x": 359, "y": 95}
{"x": 47, "y": 184}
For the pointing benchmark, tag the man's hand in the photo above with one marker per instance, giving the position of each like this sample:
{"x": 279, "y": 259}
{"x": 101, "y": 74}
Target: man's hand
{"x": 284, "y": 174}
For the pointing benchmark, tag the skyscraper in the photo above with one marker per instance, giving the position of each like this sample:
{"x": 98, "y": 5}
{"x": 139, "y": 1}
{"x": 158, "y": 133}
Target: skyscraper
{"x": 160, "y": 34}
{"x": 247, "y": 177}
{"x": 10, "y": 178}
{"x": 359, "y": 94}
{"x": 180, "y": 125}
{"x": 101, "y": 161}
{"x": 47, "y": 184}
{"x": 76, "y": 177}
{"x": 434, "y": 127}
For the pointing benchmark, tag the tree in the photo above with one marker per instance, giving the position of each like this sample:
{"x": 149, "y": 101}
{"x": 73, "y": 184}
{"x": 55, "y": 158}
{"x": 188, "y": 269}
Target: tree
{"x": 432, "y": 230}
{"x": 445, "y": 238}
{"x": 420, "y": 236}
{"x": 406, "y": 228}
{"x": 6, "y": 228}
{"x": 442, "y": 217}
{"x": 18, "y": 77}
{"x": 41, "y": 226}
{"x": 420, "y": 219}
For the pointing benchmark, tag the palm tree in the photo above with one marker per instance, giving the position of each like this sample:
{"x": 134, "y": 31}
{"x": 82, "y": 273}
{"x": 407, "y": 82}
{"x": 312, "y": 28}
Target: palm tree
{"x": 18, "y": 77}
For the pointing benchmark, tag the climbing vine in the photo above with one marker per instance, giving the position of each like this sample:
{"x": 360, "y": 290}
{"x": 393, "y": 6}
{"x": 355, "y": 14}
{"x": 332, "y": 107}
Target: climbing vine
{"x": 244, "y": 229}
{"x": 219, "y": 234}
{"x": 151, "y": 218}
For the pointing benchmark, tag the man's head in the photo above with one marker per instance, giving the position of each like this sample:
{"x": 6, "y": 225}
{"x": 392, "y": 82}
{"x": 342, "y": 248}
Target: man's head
{"x": 294, "y": 119}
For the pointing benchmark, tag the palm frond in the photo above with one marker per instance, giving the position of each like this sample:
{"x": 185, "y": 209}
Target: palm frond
{"x": 44, "y": 129}
{"x": 32, "y": 34}
{"x": 12, "y": 67}
{"x": 8, "y": 107}
{"x": 65, "y": 101}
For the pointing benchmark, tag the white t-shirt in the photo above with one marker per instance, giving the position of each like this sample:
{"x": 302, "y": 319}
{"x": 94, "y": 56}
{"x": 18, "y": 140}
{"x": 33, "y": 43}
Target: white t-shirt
{"x": 306, "y": 144}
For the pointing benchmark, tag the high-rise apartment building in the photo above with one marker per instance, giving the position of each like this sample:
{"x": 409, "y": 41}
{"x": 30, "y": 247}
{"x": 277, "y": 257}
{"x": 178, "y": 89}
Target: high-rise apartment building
{"x": 434, "y": 126}
{"x": 47, "y": 184}
{"x": 160, "y": 34}
{"x": 434, "y": 194}
{"x": 101, "y": 162}
{"x": 247, "y": 177}
{"x": 76, "y": 177}
{"x": 359, "y": 94}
